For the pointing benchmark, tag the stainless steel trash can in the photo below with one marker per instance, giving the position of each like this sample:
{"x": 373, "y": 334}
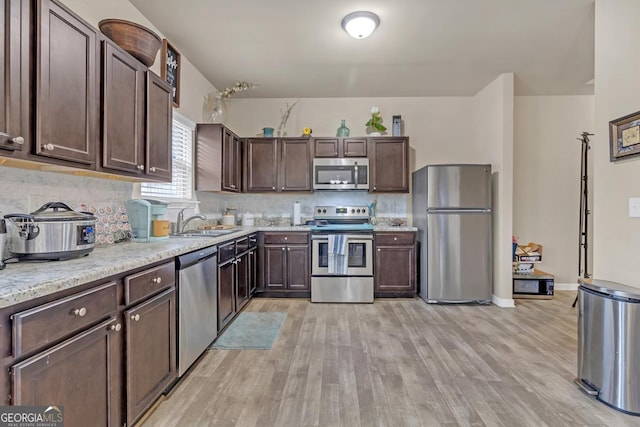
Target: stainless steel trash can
{"x": 609, "y": 343}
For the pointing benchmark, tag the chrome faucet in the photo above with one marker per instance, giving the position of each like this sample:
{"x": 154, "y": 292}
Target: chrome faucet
{"x": 181, "y": 223}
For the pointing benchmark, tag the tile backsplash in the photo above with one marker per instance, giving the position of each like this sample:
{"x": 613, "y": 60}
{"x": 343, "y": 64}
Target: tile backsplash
{"x": 24, "y": 191}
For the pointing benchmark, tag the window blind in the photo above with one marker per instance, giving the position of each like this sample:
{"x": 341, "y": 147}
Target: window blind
{"x": 180, "y": 186}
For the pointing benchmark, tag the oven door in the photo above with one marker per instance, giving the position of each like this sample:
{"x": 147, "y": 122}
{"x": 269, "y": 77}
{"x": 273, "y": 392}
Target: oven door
{"x": 359, "y": 258}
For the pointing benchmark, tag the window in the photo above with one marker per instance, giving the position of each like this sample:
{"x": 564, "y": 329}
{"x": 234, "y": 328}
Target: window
{"x": 181, "y": 185}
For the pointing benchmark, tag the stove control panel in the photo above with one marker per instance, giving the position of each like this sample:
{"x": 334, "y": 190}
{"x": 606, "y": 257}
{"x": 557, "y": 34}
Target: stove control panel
{"x": 341, "y": 212}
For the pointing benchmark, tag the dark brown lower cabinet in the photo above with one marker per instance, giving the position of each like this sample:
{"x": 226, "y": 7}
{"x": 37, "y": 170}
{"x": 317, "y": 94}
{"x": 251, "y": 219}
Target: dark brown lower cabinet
{"x": 151, "y": 351}
{"x": 226, "y": 293}
{"x": 395, "y": 272}
{"x": 286, "y": 262}
{"x": 82, "y": 374}
{"x": 242, "y": 280}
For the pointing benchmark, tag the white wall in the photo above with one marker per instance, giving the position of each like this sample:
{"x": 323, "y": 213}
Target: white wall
{"x": 547, "y": 177}
{"x": 493, "y": 126}
{"x": 616, "y": 236}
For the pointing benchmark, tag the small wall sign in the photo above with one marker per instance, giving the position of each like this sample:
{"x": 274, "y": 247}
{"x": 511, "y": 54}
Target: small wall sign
{"x": 171, "y": 70}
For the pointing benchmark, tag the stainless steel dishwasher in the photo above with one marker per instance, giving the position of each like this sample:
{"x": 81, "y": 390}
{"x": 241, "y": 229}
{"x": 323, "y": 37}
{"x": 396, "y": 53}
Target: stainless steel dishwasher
{"x": 197, "y": 304}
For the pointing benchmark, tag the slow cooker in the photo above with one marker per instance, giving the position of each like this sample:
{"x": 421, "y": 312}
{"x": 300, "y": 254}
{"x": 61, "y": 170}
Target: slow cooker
{"x": 53, "y": 232}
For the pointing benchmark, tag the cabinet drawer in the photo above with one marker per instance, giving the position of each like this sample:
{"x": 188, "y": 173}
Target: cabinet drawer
{"x": 146, "y": 283}
{"x": 286, "y": 238}
{"x": 242, "y": 245}
{"x": 391, "y": 239}
{"x": 37, "y": 327}
{"x": 226, "y": 252}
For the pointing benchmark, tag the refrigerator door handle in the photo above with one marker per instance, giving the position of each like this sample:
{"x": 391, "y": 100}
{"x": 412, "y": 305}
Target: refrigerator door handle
{"x": 458, "y": 211}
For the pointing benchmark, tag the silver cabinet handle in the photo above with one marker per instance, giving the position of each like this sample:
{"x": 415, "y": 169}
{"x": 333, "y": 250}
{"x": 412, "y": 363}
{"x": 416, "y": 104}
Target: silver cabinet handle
{"x": 48, "y": 147}
{"x": 81, "y": 312}
{"x": 116, "y": 327}
{"x": 135, "y": 317}
{"x": 157, "y": 279}
{"x": 140, "y": 167}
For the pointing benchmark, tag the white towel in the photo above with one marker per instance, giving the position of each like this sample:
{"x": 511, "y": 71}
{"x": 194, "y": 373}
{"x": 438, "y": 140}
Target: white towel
{"x": 338, "y": 257}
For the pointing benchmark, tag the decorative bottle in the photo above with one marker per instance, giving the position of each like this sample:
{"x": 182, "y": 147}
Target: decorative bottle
{"x": 343, "y": 130}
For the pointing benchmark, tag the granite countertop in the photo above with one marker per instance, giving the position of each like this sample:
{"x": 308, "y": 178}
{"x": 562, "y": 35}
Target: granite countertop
{"x": 23, "y": 281}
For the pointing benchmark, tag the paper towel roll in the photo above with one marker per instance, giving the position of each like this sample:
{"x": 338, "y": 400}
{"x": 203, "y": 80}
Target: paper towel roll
{"x": 296, "y": 214}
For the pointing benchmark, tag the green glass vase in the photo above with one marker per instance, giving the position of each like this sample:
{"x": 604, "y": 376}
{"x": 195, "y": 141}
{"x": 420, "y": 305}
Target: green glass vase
{"x": 343, "y": 130}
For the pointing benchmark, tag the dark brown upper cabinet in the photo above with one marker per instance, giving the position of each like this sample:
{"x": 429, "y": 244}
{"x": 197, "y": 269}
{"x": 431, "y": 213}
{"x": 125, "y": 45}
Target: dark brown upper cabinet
{"x": 15, "y": 89}
{"x": 389, "y": 164}
{"x": 66, "y": 86}
{"x": 123, "y": 110}
{"x": 282, "y": 164}
{"x": 158, "y": 128}
{"x": 340, "y": 147}
{"x": 217, "y": 158}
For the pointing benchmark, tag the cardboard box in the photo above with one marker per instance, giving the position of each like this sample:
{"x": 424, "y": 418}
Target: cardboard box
{"x": 531, "y": 252}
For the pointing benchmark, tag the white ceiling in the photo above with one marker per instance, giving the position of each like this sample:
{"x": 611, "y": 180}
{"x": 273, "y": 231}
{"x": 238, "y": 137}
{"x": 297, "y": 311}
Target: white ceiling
{"x": 297, "y": 48}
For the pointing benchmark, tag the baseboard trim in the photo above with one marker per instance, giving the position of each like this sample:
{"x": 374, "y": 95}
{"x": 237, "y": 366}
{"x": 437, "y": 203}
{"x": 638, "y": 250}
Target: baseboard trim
{"x": 504, "y": 302}
{"x": 566, "y": 286}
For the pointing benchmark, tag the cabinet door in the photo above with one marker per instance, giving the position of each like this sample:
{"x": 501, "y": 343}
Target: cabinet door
{"x": 298, "y": 268}
{"x": 389, "y": 162}
{"x": 354, "y": 147}
{"x": 226, "y": 293}
{"x": 395, "y": 270}
{"x": 275, "y": 267}
{"x": 326, "y": 147}
{"x": 295, "y": 166}
{"x": 242, "y": 281}
{"x": 67, "y": 105}
{"x": 158, "y": 128}
{"x": 123, "y": 109}
{"x": 15, "y": 93}
{"x": 253, "y": 271}
{"x": 151, "y": 351}
{"x": 82, "y": 374}
{"x": 261, "y": 170}
{"x": 230, "y": 161}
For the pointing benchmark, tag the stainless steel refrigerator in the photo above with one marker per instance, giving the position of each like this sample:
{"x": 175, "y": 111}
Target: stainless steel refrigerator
{"x": 452, "y": 211}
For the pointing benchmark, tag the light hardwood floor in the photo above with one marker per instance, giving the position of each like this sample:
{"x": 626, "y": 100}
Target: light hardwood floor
{"x": 396, "y": 363}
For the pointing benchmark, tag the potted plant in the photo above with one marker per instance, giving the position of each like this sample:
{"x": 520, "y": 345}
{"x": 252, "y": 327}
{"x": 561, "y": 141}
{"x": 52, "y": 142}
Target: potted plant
{"x": 374, "y": 125}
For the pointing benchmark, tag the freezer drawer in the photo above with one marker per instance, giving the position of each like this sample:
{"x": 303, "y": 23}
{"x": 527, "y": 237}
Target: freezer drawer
{"x": 459, "y": 257}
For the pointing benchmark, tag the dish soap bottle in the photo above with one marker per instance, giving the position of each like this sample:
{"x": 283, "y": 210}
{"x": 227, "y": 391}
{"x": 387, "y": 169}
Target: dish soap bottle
{"x": 343, "y": 130}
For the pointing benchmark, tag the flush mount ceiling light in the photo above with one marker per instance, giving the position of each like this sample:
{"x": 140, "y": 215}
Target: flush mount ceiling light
{"x": 360, "y": 24}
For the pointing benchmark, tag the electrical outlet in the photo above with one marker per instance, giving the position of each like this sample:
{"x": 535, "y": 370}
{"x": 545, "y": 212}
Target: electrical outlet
{"x": 634, "y": 207}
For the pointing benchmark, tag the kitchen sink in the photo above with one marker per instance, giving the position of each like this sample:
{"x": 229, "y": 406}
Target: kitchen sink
{"x": 203, "y": 233}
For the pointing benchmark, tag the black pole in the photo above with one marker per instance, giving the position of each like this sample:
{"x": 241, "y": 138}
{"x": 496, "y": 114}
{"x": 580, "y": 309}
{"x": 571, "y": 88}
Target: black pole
{"x": 583, "y": 234}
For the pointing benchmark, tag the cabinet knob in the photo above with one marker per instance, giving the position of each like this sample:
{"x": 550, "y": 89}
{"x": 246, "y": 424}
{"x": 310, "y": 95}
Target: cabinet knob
{"x": 283, "y": 187}
{"x": 283, "y": 249}
{"x": 286, "y": 238}
{"x": 152, "y": 169}
{"x": 374, "y": 188}
{"x": 273, "y": 188}
{"x": 81, "y": 312}
{"x": 135, "y": 317}
{"x": 378, "y": 249}
{"x": 48, "y": 147}
{"x": 157, "y": 279}
{"x": 395, "y": 238}
{"x": 116, "y": 327}
{"x": 288, "y": 249}
{"x": 18, "y": 140}
{"x": 140, "y": 167}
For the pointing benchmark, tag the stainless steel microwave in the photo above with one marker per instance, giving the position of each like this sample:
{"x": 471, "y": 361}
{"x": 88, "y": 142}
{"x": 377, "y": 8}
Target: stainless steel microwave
{"x": 341, "y": 174}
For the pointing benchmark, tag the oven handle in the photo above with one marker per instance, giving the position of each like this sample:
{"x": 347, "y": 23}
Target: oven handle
{"x": 351, "y": 238}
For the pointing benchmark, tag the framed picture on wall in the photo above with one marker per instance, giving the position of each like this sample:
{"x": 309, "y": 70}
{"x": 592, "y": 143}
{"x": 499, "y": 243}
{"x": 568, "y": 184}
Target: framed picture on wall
{"x": 624, "y": 137}
{"x": 170, "y": 70}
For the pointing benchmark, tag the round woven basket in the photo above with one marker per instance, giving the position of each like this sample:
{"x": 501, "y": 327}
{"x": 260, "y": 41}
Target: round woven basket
{"x": 140, "y": 42}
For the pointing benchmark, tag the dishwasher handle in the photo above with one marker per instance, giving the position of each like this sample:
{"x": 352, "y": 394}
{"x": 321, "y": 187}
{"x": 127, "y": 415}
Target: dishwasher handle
{"x": 192, "y": 258}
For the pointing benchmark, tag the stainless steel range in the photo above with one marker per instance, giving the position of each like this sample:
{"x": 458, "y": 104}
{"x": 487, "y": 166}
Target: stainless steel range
{"x": 342, "y": 255}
